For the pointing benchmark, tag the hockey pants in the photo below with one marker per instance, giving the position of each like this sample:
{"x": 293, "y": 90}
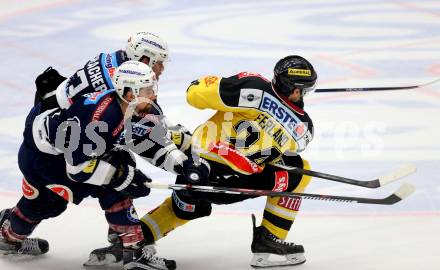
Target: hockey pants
{"x": 182, "y": 206}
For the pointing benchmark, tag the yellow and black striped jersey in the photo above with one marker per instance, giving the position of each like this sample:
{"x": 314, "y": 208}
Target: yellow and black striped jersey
{"x": 253, "y": 125}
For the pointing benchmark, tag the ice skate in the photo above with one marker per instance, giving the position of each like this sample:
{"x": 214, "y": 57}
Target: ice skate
{"x": 142, "y": 256}
{"x": 28, "y": 246}
{"x": 265, "y": 245}
{"x": 108, "y": 255}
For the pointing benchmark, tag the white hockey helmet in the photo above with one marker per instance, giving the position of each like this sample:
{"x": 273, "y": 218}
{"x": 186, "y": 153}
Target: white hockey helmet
{"x": 149, "y": 45}
{"x": 134, "y": 75}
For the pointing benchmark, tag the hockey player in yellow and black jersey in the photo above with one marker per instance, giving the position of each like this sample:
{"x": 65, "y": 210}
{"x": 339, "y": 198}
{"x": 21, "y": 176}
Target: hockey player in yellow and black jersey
{"x": 255, "y": 135}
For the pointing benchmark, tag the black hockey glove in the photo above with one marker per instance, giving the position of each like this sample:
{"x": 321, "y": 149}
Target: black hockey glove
{"x": 127, "y": 179}
{"x": 118, "y": 157}
{"x": 46, "y": 83}
{"x": 131, "y": 182}
{"x": 196, "y": 171}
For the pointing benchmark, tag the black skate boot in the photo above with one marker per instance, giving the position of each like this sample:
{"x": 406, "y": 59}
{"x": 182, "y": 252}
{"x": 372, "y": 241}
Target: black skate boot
{"x": 29, "y": 246}
{"x": 107, "y": 255}
{"x": 265, "y": 244}
{"x": 142, "y": 256}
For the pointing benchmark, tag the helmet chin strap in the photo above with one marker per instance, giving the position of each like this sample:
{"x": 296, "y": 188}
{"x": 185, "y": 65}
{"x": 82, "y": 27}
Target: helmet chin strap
{"x": 137, "y": 100}
{"x": 132, "y": 105}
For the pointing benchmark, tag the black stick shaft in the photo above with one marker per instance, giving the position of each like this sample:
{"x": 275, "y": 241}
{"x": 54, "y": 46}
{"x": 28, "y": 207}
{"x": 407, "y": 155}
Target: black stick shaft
{"x": 363, "y": 89}
{"x": 404, "y": 191}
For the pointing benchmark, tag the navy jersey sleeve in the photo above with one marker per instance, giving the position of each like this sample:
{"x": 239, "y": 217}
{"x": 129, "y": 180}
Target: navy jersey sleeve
{"x": 95, "y": 123}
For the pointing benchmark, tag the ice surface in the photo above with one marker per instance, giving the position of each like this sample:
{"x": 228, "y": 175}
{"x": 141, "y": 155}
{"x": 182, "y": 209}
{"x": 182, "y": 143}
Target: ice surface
{"x": 358, "y": 135}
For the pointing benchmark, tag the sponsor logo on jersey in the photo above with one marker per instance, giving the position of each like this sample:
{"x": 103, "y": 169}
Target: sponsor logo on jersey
{"x": 300, "y": 129}
{"x": 29, "y": 192}
{"x": 250, "y": 97}
{"x": 283, "y": 115}
{"x": 93, "y": 98}
{"x": 183, "y": 205}
{"x": 118, "y": 128}
{"x": 290, "y": 203}
{"x": 111, "y": 72}
{"x": 108, "y": 61}
{"x": 109, "y": 65}
{"x": 91, "y": 166}
{"x": 281, "y": 181}
{"x": 209, "y": 80}
{"x": 299, "y": 72}
{"x": 101, "y": 108}
{"x": 62, "y": 191}
{"x": 250, "y": 74}
{"x": 140, "y": 130}
{"x": 137, "y": 131}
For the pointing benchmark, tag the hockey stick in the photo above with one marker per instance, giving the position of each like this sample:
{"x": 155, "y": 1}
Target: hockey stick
{"x": 404, "y": 191}
{"x": 375, "y": 183}
{"x": 327, "y": 90}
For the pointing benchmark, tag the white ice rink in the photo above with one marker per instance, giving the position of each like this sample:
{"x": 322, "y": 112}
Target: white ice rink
{"x": 360, "y": 135}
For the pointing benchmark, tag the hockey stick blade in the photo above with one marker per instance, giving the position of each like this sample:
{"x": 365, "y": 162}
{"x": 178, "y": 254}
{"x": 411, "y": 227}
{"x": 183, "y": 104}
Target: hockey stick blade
{"x": 397, "y": 174}
{"x": 363, "y": 89}
{"x": 404, "y": 191}
{"x": 375, "y": 183}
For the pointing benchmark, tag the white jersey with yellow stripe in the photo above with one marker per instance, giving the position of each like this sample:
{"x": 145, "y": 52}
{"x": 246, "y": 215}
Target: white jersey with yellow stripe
{"x": 253, "y": 125}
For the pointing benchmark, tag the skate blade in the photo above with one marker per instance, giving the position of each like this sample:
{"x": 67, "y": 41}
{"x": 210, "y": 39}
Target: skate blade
{"x": 95, "y": 262}
{"x": 261, "y": 260}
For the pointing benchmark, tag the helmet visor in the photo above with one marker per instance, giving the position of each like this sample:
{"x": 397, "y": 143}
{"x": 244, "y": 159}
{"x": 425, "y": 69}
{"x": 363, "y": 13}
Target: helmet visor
{"x": 306, "y": 88}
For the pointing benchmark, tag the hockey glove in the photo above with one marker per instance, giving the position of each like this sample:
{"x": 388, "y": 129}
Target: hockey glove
{"x": 131, "y": 182}
{"x": 196, "y": 171}
{"x": 118, "y": 157}
{"x": 46, "y": 83}
{"x": 180, "y": 136}
{"x": 127, "y": 179}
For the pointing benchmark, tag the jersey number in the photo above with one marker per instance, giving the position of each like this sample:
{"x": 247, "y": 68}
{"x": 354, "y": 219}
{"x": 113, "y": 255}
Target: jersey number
{"x": 76, "y": 83}
{"x": 252, "y": 135}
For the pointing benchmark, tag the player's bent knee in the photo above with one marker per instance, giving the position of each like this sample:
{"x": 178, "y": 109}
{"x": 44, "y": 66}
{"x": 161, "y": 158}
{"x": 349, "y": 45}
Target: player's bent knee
{"x": 42, "y": 207}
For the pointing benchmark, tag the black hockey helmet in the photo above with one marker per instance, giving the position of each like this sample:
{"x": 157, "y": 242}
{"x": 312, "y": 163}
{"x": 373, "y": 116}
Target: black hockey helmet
{"x": 292, "y": 72}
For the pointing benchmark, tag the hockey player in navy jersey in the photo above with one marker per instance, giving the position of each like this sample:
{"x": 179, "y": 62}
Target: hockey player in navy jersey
{"x": 67, "y": 155}
{"x": 57, "y": 91}
{"x": 54, "y": 90}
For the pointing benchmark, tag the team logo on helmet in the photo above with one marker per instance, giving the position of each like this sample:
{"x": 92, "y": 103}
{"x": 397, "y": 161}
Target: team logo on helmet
{"x": 299, "y": 72}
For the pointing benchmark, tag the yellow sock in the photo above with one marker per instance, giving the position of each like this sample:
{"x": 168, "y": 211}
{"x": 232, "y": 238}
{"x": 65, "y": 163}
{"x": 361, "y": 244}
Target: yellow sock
{"x": 280, "y": 212}
{"x": 162, "y": 220}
